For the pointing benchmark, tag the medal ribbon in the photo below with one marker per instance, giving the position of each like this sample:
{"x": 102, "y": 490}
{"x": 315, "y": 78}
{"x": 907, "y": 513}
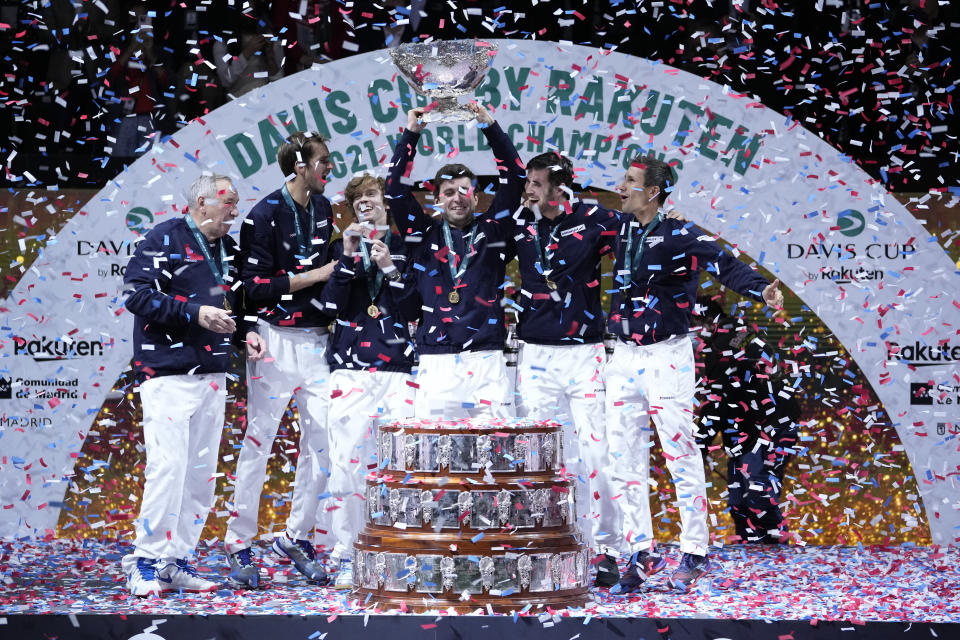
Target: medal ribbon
{"x": 455, "y": 273}
{"x": 629, "y": 259}
{"x": 302, "y": 240}
{"x": 545, "y": 254}
{"x": 375, "y": 283}
{"x": 218, "y": 273}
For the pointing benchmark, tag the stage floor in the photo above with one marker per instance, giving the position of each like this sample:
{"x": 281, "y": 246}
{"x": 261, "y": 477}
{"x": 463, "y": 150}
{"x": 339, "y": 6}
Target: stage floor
{"x": 904, "y": 584}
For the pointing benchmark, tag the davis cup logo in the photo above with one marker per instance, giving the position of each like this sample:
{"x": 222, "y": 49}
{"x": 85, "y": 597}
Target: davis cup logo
{"x": 138, "y": 218}
{"x": 850, "y": 223}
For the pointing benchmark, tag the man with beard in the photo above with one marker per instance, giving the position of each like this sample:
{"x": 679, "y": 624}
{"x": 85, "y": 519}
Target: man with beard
{"x": 458, "y": 262}
{"x": 560, "y": 240}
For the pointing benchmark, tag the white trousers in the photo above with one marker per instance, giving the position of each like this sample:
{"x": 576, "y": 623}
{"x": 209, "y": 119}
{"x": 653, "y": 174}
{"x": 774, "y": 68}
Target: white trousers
{"x": 182, "y": 425}
{"x": 565, "y": 383}
{"x": 463, "y": 385}
{"x": 655, "y": 381}
{"x": 358, "y": 400}
{"x": 296, "y": 365}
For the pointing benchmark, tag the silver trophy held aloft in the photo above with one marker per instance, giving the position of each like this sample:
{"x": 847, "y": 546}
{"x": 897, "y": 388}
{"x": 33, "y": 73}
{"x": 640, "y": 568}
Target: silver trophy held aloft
{"x": 442, "y": 71}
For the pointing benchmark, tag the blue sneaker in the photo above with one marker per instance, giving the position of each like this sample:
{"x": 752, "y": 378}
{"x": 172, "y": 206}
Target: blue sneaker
{"x": 643, "y": 564}
{"x": 691, "y": 569}
{"x": 244, "y": 574}
{"x": 303, "y": 556}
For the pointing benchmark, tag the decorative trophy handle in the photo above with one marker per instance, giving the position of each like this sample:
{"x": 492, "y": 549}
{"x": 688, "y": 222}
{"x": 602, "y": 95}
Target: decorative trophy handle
{"x": 410, "y": 451}
{"x": 521, "y": 447}
{"x": 504, "y": 500}
{"x": 395, "y": 499}
{"x": 445, "y": 453}
{"x": 556, "y": 569}
{"x": 549, "y": 449}
{"x": 539, "y": 506}
{"x": 447, "y": 572}
{"x": 381, "y": 569}
{"x": 486, "y": 572}
{"x": 427, "y": 505}
{"x": 386, "y": 448}
{"x": 464, "y": 502}
{"x": 412, "y": 565}
{"x": 373, "y": 501}
{"x": 484, "y": 450}
{"x": 359, "y": 567}
{"x": 525, "y": 569}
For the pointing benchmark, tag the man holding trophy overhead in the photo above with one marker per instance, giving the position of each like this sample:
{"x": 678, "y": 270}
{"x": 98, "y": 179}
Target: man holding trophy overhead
{"x": 457, "y": 262}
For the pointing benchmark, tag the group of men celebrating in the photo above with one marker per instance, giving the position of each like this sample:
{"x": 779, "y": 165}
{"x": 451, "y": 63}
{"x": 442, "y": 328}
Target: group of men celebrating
{"x": 329, "y": 320}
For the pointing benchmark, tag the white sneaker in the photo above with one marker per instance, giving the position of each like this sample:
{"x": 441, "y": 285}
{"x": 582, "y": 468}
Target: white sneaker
{"x": 344, "y": 579}
{"x": 181, "y": 576}
{"x": 142, "y": 579}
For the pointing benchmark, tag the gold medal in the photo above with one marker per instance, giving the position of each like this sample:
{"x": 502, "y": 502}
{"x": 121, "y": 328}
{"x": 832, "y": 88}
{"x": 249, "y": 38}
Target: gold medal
{"x": 373, "y": 311}
{"x": 454, "y": 297}
{"x": 551, "y": 284}
{"x": 226, "y": 305}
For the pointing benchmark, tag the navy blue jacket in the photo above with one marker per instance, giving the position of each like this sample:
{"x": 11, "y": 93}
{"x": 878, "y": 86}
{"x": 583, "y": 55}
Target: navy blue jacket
{"x": 657, "y": 302}
{"x": 269, "y": 253}
{"x": 573, "y": 313}
{"x": 360, "y": 341}
{"x": 167, "y": 281}
{"x": 475, "y": 323}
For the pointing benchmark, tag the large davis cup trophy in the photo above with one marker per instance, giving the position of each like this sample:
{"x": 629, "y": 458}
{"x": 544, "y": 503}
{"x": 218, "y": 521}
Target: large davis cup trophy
{"x": 443, "y": 71}
{"x": 470, "y": 514}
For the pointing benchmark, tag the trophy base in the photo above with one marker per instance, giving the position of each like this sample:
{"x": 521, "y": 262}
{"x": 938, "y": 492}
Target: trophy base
{"x": 448, "y": 110}
{"x": 430, "y": 603}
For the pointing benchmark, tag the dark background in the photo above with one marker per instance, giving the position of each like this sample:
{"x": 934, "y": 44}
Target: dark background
{"x": 873, "y": 78}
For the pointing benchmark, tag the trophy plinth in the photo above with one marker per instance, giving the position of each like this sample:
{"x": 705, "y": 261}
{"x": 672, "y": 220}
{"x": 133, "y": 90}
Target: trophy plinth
{"x": 443, "y": 71}
{"x": 475, "y": 507}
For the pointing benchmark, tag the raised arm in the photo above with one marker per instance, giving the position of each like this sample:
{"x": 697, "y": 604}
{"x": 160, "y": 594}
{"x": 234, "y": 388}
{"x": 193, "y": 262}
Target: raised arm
{"x": 407, "y": 211}
{"x": 510, "y": 170}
